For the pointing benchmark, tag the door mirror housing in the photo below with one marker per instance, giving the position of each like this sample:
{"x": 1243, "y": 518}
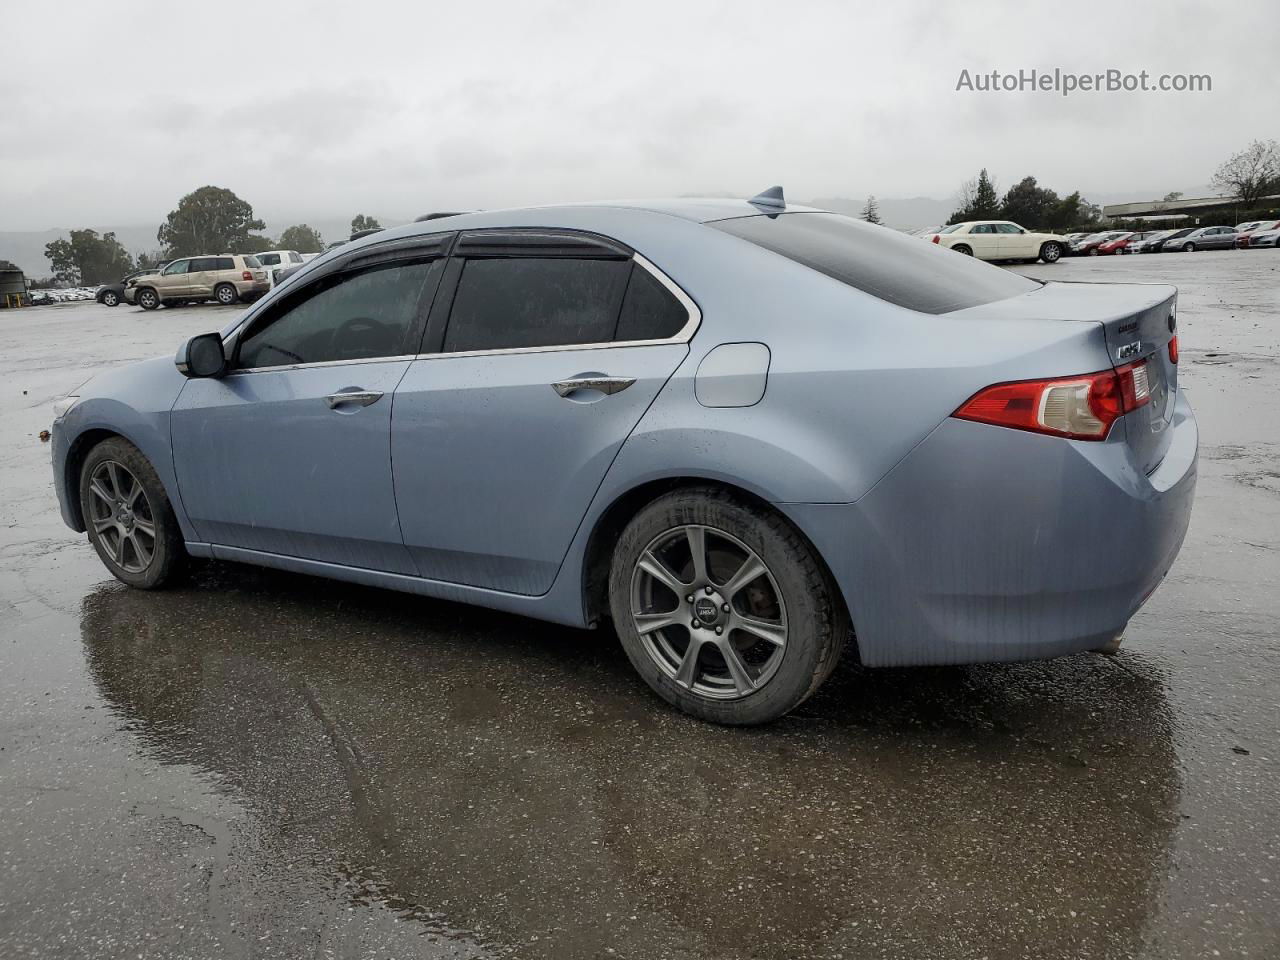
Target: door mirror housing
{"x": 202, "y": 356}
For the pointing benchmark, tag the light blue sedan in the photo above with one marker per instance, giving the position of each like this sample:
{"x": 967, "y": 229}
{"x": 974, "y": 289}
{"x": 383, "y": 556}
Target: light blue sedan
{"x": 749, "y": 434}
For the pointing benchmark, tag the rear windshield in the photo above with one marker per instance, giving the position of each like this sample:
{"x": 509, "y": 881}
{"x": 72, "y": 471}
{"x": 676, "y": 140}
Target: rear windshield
{"x": 902, "y": 270}
{"x": 251, "y": 262}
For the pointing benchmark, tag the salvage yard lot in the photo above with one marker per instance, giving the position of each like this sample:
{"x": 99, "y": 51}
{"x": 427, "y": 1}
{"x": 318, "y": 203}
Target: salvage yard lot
{"x": 269, "y": 765}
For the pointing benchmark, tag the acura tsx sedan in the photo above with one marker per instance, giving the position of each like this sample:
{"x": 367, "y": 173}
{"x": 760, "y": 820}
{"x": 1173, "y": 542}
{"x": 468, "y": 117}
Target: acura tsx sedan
{"x": 749, "y": 434}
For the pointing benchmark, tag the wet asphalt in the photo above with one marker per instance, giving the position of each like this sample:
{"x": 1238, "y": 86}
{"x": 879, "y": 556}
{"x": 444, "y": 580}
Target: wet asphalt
{"x": 259, "y": 764}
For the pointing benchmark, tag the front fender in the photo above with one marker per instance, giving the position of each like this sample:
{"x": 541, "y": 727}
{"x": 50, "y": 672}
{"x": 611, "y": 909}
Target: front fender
{"x": 132, "y": 402}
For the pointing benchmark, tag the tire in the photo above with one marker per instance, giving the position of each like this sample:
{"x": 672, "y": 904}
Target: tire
{"x": 148, "y": 299}
{"x": 793, "y": 600}
{"x": 1188, "y": 248}
{"x": 109, "y": 299}
{"x": 225, "y": 294}
{"x": 120, "y": 498}
{"x": 963, "y": 249}
{"x": 1093, "y": 251}
{"x": 1051, "y": 252}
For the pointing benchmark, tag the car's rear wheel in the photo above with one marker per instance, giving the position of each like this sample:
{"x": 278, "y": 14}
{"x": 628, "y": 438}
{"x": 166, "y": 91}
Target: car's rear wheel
{"x": 128, "y": 515}
{"x": 225, "y": 294}
{"x": 148, "y": 299}
{"x": 724, "y": 608}
{"x": 963, "y": 248}
{"x": 110, "y": 298}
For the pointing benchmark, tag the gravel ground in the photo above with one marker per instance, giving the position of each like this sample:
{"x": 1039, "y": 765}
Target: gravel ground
{"x": 266, "y": 765}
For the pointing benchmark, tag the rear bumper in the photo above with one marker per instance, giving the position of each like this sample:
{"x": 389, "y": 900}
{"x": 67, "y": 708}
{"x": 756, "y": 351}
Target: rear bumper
{"x": 989, "y": 544}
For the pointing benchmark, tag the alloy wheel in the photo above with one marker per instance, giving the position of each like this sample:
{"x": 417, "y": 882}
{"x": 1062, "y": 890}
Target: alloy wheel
{"x": 121, "y": 516}
{"x": 708, "y": 611}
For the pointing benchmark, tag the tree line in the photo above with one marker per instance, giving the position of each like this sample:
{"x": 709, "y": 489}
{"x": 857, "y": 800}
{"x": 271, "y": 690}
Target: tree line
{"x": 208, "y": 220}
{"x": 1247, "y": 177}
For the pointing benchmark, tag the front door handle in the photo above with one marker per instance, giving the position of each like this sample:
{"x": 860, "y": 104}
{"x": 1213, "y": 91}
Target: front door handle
{"x": 360, "y": 397}
{"x": 603, "y": 384}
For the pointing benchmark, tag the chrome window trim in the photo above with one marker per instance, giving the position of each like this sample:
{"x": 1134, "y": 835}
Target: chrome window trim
{"x": 683, "y": 335}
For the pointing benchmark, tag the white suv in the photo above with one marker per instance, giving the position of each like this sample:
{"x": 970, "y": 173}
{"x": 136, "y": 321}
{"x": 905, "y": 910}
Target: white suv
{"x": 277, "y": 261}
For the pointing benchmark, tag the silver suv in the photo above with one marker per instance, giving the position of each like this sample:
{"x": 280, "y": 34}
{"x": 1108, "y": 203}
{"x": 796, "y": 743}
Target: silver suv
{"x": 225, "y": 278}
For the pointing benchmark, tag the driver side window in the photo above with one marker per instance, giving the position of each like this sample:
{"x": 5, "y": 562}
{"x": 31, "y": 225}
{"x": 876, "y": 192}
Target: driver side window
{"x": 349, "y": 316}
{"x": 178, "y": 266}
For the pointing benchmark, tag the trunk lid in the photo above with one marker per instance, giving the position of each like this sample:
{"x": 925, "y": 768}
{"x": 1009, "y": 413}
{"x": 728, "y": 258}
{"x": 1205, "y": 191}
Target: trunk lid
{"x": 1138, "y": 321}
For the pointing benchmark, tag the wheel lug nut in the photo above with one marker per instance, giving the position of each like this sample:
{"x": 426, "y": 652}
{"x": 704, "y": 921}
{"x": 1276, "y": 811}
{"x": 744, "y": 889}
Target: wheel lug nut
{"x": 719, "y": 630}
{"x": 709, "y": 590}
{"x": 689, "y": 598}
{"x": 724, "y": 608}
{"x": 695, "y": 624}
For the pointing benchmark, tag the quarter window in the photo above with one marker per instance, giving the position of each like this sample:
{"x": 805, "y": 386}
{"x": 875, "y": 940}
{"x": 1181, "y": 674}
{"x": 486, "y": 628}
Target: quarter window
{"x": 518, "y": 302}
{"x": 649, "y": 310}
{"x": 226, "y": 263}
{"x": 353, "y": 316}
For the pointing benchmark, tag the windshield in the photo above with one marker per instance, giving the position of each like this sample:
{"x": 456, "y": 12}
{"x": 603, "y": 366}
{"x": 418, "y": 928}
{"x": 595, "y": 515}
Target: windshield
{"x": 882, "y": 262}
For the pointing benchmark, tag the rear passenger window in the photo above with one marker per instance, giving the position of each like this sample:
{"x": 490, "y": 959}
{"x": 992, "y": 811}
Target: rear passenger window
{"x": 204, "y": 263}
{"x": 353, "y": 316}
{"x": 535, "y": 302}
{"x": 650, "y": 311}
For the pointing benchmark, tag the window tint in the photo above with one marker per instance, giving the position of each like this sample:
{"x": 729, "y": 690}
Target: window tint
{"x": 649, "y": 311}
{"x": 883, "y": 263}
{"x": 269, "y": 259}
{"x": 1008, "y": 228}
{"x": 226, "y": 263}
{"x": 204, "y": 263}
{"x": 984, "y": 228}
{"x": 353, "y": 316}
{"x": 535, "y": 302}
{"x": 251, "y": 262}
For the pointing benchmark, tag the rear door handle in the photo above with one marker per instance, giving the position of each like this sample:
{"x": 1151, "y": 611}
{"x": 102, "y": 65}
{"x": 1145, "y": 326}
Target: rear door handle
{"x": 603, "y": 384}
{"x": 359, "y": 397}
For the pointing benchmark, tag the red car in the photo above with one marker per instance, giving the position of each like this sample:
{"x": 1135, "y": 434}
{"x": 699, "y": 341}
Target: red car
{"x": 1120, "y": 243}
{"x": 1258, "y": 226}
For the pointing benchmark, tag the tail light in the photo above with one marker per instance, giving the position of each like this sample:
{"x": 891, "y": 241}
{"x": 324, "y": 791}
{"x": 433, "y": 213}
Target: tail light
{"x": 1082, "y": 408}
{"x": 1173, "y": 349}
{"x": 246, "y": 275}
{"x": 937, "y": 239}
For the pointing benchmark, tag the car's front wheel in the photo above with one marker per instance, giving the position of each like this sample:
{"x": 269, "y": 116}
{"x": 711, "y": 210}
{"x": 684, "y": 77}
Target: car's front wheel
{"x": 110, "y": 298}
{"x": 1188, "y": 248}
{"x": 1051, "y": 252}
{"x": 724, "y": 608}
{"x": 148, "y": 299}
{"x": 128, "y": 515}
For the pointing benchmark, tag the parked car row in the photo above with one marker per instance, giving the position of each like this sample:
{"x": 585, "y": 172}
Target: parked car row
{"x": 1255, "y": 233}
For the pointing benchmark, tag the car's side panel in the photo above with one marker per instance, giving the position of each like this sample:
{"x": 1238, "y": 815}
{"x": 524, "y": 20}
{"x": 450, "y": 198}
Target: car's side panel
{"x": 265, "y": 463}
{"x": 494, "y": 469}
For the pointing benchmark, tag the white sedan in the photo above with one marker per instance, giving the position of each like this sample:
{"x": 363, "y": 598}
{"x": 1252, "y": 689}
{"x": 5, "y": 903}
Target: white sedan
{"x": 1001, "y": 240}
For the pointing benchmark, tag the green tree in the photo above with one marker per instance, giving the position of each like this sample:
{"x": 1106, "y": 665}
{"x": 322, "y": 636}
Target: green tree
{"x": 978, "y": 200}
{"x": 302, "y": 238}
{"x": 871, "y": 212}
{"x": 1251, "y": 174}
{"x": 210, "y": 220}
{"x": 362, "y": 222}
{"x": 149, "y": 260}
{"x": 1030, "y": 205}
{"x": 86, "y": 258}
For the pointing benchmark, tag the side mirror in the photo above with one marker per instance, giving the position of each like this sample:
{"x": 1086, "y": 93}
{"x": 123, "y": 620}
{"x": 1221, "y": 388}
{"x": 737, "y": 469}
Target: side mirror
{"x": 202, "y": 356}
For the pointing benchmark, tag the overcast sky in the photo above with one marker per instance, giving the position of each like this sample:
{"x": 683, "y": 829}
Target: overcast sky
{"x": 111, "y": 110}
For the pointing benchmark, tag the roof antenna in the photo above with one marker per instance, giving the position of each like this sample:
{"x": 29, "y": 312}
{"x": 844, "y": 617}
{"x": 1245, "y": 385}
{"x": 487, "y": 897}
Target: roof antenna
{"x": 771, "y": 198}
